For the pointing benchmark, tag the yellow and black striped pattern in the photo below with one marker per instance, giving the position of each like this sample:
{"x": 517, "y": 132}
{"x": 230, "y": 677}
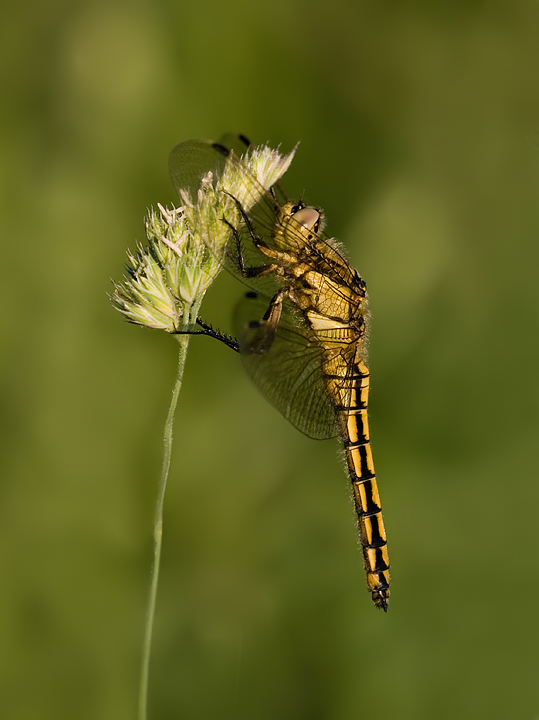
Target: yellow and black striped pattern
{"x": 355, "y": 430}
{"x": 351, "y": 401}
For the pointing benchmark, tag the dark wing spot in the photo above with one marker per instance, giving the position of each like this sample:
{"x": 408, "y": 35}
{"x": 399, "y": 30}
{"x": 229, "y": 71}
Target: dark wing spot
{"x": 251, "y": 295}
{"x": 221, "y": 148}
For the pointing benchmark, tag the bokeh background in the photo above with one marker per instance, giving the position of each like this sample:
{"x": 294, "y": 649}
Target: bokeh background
{"x": 419, "y": 135}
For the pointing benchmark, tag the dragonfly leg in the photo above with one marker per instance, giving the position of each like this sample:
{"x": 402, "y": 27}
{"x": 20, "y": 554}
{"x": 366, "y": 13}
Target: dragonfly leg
{"x": 247, "y": 272}
{"x": 211, "y": 332}
{"x": 259, "y": 244}
{"x": 245, "y": 217}
{"x": 261, "y": 333}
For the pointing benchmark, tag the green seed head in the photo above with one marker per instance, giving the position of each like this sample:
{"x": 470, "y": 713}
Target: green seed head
{"x": 167, "y": 279}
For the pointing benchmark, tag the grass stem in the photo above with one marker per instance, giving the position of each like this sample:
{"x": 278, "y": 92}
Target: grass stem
{"x": 183, "y": 341}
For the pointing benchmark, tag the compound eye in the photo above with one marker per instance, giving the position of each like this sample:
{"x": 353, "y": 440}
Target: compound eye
{"x": 309, "y": 217}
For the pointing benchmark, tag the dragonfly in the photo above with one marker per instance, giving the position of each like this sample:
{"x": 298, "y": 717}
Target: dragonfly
{"x": 302, "y": 328}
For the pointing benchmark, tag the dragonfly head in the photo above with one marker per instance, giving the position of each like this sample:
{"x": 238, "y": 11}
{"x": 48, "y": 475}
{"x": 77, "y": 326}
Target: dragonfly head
{"x": 308, "y": 217}
{"x": 308, "y": 220}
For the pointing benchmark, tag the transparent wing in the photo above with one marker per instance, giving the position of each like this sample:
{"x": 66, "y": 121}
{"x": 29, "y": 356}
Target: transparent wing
{"x": 191, "y": 160}
{"x": 240, "y": 144}
{"x": 290, "y": 374}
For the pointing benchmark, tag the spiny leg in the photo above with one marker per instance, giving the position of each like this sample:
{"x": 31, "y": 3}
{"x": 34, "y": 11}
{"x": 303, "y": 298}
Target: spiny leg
{"x": 257, "y": 242}
{"x": 247, "y": 272}
{"x": 211, "y": 332}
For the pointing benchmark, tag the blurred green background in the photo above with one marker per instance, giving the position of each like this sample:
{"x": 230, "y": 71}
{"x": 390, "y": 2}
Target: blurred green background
{"x": 419, "y": 132}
